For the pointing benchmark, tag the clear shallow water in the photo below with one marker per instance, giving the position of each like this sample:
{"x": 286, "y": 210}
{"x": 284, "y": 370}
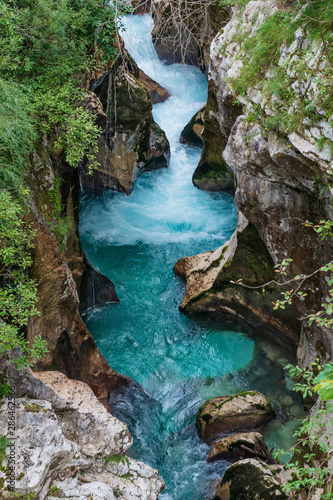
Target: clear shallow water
{"x": 177, "y": 362}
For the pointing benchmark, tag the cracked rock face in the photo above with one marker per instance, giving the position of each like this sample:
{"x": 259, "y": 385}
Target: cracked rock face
{"x": 68, "y": 445}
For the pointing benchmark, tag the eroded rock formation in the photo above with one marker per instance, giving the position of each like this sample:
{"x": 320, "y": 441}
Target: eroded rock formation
{"x": 67, "y": 443}
{"x": 240, "y": 446}
{"x": 131, "y": 143}
{"x": 279, "y": 183}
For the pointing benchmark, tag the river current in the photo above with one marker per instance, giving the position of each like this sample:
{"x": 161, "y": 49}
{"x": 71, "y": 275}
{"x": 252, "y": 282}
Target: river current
{"x": 177, "y": 362}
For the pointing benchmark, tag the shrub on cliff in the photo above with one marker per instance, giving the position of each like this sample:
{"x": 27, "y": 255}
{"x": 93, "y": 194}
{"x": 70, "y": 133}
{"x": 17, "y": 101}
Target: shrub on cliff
{"x": 49, "y": 50}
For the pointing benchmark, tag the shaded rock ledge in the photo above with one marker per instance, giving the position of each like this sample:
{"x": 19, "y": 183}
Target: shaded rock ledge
{"x": 210, "y": 284}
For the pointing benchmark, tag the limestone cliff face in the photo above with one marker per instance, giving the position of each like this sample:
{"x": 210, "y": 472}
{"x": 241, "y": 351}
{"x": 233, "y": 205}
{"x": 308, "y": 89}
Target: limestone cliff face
{"x": 279, "y": 180}
{"x": 131, "y": 143}
{"x": 67, "y": 444}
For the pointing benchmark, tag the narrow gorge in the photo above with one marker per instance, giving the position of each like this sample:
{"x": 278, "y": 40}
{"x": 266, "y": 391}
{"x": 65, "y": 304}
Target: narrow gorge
{"x": 166, "y": 250}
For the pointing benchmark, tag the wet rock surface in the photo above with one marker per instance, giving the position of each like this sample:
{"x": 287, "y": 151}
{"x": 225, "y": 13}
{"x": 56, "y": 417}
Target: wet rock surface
{"x": 239, "y": 446}
{"x": 212, "y": 172}
{"x": 251, "y": 480}
{"x": 225, "y": 414}
{"x": 192, "y": 132}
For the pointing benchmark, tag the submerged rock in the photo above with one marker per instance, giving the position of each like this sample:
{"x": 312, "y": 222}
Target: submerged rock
{"x": 239, "y": 446}
{"x": 225, "y": 414}
{"x": 251, "y": 480}
{"x": 192, "y": 132}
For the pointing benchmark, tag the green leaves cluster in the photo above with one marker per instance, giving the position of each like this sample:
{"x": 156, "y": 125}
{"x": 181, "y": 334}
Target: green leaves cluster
{"x": 312, "y": 450}
{"x": 49, "y": 50}
{"x": 18, "y": 293}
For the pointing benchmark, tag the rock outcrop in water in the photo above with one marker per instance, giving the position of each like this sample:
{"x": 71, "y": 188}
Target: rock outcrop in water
{"x": 251, "y": 479}
{"x": 192, "y": 132}
{"x": 68, "y": 444}
{"x": 132, "y": 143}
{"x": 225, "y": 414}
{"x": 279, "y": 184}
{"x": 211, "y": 284}
{"x": 240, "y": 446}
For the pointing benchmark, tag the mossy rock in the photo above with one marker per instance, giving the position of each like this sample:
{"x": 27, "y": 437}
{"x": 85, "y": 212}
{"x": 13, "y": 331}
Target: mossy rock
{"x": 212, "y": 173}
{"x": 251, "y": 262}
{"x": 225, "y": 414}
{"x": 249, "y": 480}
{"x": 33, "y": 408}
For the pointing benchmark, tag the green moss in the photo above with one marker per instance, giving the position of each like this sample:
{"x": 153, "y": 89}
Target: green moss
{"x": 115, "y": 459}
{"x": 251, "y": 262}
{"x": 32, "y": 408}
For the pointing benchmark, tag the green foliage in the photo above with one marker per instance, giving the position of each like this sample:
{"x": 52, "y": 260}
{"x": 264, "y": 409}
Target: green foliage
{"x": 309, "y": 469}
{"x": 17, "y": 137}
{"x": 115, "y": 459}
{"x": 262, "y": 51}
{"x": 4, "y": 442}
{"x": 324, "y": 383}
{"x": 5, "y": 388}
{"x": 18, "y": 293}
{"x": 54, "y": 490}
{"x": 49, "y": 49}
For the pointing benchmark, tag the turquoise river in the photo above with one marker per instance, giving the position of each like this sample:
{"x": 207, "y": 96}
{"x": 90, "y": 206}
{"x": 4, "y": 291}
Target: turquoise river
{"x": 177, "y": 362}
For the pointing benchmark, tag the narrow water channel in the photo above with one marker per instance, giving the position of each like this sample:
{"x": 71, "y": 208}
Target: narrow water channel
{"x": 177, "y": 362}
